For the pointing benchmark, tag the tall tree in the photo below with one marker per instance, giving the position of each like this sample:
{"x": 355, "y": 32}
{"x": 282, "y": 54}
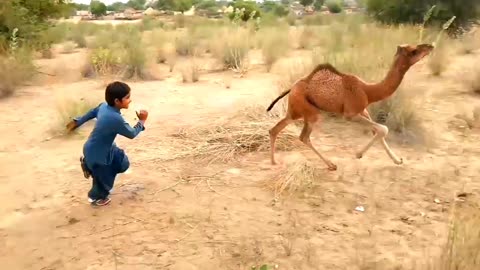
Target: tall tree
{"x": 98, "y": 8}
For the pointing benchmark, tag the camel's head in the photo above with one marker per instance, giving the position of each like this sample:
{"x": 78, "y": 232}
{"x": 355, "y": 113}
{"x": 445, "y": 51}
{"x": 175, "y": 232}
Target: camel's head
{"x": 409, "y": 55}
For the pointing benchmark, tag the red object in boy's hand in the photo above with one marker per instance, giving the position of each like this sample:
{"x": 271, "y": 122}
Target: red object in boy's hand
{"x": 142, "y": 115}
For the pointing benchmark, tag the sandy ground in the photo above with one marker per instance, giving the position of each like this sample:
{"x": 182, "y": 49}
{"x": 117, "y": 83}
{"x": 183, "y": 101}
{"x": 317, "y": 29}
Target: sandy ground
{"x": 172, "y": 215}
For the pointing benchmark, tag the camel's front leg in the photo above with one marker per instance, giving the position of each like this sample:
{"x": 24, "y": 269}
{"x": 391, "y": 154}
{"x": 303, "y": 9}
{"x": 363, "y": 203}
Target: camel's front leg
{"x": 382, "y": 132}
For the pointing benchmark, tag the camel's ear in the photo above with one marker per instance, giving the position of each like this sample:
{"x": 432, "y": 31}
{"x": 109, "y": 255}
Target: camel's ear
{"x": 399, "y": 49}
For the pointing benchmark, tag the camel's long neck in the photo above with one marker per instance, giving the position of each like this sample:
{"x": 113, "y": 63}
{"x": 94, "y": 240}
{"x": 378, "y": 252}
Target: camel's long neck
{"x": 388, "y": 85}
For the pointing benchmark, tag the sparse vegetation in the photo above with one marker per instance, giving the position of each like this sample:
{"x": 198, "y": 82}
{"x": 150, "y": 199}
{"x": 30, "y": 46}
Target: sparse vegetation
{"x": 473, "y": 82}
{"x": 236, "y": 144}
{"x": 274, "y": 45}
{"x": 190, "y": 71}
{"x": 401, "y": 115}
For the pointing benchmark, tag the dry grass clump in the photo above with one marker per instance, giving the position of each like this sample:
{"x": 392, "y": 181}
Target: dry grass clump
{"x": 226, "y": 140}
{"x": 231, "y": 47}
{"x": 297, "y": 177}
{"x": 190, "y": 71}
{"x": 274, "y": 45}
{"x": 470, "y": 42}
{"x": 462, "y": 249}
{"x": 68, "y": 47}
{"x": 473, "y": 82}
{"x": 15, "y": 69}
{"x": 68, "y": 108}
{"x": 439, "y": 60}
{"x": 185, "y": 44}
{"x": 401, "y": 114}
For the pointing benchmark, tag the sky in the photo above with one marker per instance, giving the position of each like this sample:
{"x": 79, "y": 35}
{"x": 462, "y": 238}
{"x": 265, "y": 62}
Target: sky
{"x": 107, "y": 2}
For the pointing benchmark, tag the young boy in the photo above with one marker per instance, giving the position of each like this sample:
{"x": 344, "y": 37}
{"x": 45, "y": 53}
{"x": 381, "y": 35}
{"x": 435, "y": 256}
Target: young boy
{"x": 102, "y": 159}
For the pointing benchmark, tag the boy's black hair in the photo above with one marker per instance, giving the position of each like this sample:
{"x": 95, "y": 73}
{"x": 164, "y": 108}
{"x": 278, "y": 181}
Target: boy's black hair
{"x": 116, "y": 90}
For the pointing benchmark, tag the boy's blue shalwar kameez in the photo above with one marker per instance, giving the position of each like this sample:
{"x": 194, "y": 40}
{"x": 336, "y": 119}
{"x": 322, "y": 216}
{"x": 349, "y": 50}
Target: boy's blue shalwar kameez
{"x": 102, "y": 156}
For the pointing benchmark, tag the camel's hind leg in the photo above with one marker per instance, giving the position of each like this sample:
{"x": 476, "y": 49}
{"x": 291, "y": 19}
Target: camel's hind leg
{"x": 274, "y": 133}
{"x": 305, "y": 138}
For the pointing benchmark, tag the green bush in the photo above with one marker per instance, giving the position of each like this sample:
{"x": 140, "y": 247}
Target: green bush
{"x": 31, "y": 18}
{"x": 413, "y": 11}
{"x": 334, "y": 6}
{"x": 250, "y": 11}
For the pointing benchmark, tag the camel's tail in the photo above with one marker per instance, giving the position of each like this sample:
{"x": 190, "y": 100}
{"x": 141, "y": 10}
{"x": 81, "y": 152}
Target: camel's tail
{"x": 277, "y": 99}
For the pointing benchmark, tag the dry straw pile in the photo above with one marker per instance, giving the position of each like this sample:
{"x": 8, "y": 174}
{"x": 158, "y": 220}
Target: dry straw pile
{"x": 227, "y": 139}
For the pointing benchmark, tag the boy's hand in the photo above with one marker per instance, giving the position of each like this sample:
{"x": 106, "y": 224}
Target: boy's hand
{"x": 71, "y": 125}
{"x": 142, "y": 115}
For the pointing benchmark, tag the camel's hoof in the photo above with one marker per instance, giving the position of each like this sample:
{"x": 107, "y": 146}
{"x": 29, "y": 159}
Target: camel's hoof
{"x": 399, "y": 162}
{"x": 332, "y": 167}
{"x": 359, "y": 155}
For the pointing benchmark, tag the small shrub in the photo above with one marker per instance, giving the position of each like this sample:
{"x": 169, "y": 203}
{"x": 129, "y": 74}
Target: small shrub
{"x": 68, "y": 47}
{"x": 274, "y": 46}
{"x": 462, "y": 248}
{"x": 291, "y": 19}
{"x": 68, "y": 108}
{"x": 15, "y": 69}
{"x": 473, "y": 82}
{"x": 79, "y": 39}
{"x": 134, "y": 58}
{"x": 179, "y": 21}
{"x": 190, "y": 72}
{"x": 470, "y": 42}
{"x": 231, "y": 48}
{"x": 185, "y": 44}
{"x": 150, "y": 23}
{"x": 306, "y": 37}
{"x": 47, "y": 53}
{"x": 103, "y": 61}
{"x": 438, "y": 60}
{"x": 170, "y": 55}
{"x": 334, "y": 6}
{"x": 400, "y": 114}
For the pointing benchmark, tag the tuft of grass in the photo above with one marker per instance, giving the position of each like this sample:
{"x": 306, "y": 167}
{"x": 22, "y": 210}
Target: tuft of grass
{"x": 15, "y": 69}
{"x": 68, "y": 108}
{"x": 473, "y": 82}
{"x": 298, "y": 177}
{"x": 274, "y": 45}
{"x": 400, "y": 113}
{"x": 185, "y": 44}
{"x": 470, "y": 42}
{"x": 438, "y": 61}
{"x": 190, "y": 71}
{"x": 231, "y": 48}
{"x": 462, "y": 249}
{"x": 68, "y": 47}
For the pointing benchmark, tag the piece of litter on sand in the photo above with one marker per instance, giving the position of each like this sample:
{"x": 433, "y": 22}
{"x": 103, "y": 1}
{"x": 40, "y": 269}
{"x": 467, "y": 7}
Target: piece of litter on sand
{"x": 233, "y": 171}
{"x": 422, "y": 214}
{"x": 360, "y": 208}
{"x": 436, "y": 200}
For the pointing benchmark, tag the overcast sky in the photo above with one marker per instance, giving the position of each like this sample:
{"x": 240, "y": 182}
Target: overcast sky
{"x": 107, "y": 2}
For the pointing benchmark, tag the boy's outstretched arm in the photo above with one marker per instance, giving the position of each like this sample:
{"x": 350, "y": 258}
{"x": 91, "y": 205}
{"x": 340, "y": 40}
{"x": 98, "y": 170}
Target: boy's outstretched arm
{"x": 78, "y": 121}
{"x": 123, "y": 128}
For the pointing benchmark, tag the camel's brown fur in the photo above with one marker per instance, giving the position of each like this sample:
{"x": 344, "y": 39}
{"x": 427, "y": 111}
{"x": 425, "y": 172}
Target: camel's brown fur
{"x": 327, "y": 89}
